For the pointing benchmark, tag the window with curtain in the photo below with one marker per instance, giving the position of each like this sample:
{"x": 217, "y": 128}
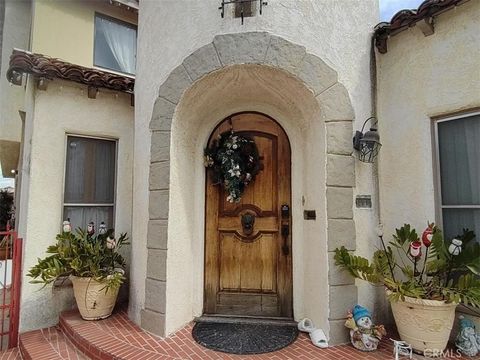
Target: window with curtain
{"x": 459, "y": 170}
{"x": 90, "y": 181}
{"x": 115, "y": 45}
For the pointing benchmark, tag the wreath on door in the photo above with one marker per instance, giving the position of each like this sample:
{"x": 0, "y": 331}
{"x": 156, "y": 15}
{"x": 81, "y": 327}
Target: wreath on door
{"x": 234, "y": 161}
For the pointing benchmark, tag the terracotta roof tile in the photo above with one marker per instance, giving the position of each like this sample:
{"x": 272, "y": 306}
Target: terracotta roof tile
{"x": 24, "y": 62}
{"x": 407, "y": 18}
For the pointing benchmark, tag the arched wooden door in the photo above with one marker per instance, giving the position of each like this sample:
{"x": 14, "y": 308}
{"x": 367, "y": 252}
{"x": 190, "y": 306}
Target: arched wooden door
{"x": 251, "y": 275}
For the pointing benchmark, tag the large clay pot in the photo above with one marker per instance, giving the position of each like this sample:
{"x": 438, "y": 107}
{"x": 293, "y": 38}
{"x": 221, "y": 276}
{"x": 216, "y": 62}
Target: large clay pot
{"x": 93, "y": 301}
{"x": 424, "y": 324}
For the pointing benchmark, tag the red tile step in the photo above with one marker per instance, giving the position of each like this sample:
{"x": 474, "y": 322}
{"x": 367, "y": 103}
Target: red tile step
{"x": 47, "y": 344}
{"x": 119, "y": 339}
{"x": 12, "y": 354}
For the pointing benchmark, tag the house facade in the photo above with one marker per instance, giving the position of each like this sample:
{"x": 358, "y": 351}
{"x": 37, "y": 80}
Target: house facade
{"x": 75, "y": 130}
{"x": 296, "y": 76}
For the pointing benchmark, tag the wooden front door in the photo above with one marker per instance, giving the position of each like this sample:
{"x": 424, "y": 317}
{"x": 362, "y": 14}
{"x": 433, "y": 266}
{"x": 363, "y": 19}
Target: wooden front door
{"x": 251, "y": 275}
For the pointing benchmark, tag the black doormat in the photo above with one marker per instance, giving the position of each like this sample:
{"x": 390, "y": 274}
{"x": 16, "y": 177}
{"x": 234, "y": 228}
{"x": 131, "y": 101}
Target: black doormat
{"x": 244, "y": 339}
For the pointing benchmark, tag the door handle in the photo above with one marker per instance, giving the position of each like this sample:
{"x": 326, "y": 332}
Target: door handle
{"x": 285, "y": 232}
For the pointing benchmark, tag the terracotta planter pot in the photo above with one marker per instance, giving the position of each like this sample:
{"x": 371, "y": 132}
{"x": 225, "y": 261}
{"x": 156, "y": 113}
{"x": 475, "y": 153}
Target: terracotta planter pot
{"x": 424, "y": 324}
{"x": 92, "y": 300}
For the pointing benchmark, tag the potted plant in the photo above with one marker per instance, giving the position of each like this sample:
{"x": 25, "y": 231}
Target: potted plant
{"x": 92, "y": 263}
{"x": 6, "y": 208}
{"x": 425, "y": 279}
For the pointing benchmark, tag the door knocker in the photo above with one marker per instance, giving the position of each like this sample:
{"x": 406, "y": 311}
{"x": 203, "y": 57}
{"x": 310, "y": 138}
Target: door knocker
{"x": 248, "y": 220}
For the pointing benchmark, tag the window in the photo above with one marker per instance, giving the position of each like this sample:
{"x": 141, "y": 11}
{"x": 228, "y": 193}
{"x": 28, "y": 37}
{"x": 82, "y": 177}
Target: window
{"x": 115, "y": 45}
{"x": 458, "y": 141}
{"x": 90, "y": 181}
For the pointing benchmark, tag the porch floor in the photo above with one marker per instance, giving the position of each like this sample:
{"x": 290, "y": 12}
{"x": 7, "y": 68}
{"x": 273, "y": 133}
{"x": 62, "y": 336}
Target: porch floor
{"x": 118, "y": 338}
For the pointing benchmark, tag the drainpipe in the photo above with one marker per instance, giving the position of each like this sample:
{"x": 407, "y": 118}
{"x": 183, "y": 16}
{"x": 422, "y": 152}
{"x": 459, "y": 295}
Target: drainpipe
{"x": 373, "y": 100}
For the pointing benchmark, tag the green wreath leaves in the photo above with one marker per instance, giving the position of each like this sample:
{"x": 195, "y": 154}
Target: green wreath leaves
{"x": 234, "y": 161}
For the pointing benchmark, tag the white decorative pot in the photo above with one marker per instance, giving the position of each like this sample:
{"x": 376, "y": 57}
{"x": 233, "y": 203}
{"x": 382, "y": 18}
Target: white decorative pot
{"x": 424, "y": 324}
{"x": 93, "y": 301}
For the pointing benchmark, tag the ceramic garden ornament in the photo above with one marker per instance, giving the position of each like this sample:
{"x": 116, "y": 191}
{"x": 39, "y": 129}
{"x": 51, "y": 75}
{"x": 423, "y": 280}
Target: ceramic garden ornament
{"x": 467, "y": 340}
{"x": 67, "y": 226}
{"x": 102, "y": 229}
{"x": 111, "y": 242}
{"x": 363, "y": 334}
{"x": 91, "y": 228}
{"x": 455, "y": 247}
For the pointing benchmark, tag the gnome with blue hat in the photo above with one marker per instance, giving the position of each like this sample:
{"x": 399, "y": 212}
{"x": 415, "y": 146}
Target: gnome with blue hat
{"x": 363, "y": 334}
{"x": 467, "y": 341}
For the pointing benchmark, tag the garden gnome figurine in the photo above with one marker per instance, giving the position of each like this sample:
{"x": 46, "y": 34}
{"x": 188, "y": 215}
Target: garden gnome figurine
{"x": 90, "y": 228}
{"x": 111, "y": 242}
{"x": 363, "y": 334}
{"x": 67, "y": 226}
{"x": 102, "y": 229}
{"x": 467, "y": 341}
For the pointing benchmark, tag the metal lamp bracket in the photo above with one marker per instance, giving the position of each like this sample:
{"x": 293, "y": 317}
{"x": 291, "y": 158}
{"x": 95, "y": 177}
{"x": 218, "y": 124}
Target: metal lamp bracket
{"x": 228, "y": 2}
{"x": 356, "y": 139}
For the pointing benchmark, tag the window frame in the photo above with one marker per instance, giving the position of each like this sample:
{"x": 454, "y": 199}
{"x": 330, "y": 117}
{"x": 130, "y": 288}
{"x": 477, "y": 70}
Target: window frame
{"x": 114, "y": 204}
{"x": 120, "y": 22}
{"x": 436, "y": 162}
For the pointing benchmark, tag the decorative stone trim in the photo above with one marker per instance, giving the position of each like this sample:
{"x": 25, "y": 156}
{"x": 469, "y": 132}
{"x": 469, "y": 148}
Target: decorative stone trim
{"x": 339, "y": 138}
{"x": 340, "y": 170}
{"x": 337, "y": 113}
{"x": 341, "y": 232}
{"x": 339, "y": 277}
{"x": 335, "y": 104}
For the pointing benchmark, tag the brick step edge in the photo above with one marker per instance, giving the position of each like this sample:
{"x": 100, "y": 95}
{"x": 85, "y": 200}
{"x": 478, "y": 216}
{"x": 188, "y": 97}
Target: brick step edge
{"x": 47, "y": 344}
{"x": 90, "y": 350}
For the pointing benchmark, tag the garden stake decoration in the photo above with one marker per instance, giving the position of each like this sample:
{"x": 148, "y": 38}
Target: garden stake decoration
{"x": 401, "y": 348}
{"x": 67, "y": 226}
{"x": 364, "y": 335}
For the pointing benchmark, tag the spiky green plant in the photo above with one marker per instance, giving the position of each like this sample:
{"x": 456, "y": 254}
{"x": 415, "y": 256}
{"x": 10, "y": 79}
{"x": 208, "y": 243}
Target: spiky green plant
{"x": 440, "y": 276}
{"x": 79, "y": 254}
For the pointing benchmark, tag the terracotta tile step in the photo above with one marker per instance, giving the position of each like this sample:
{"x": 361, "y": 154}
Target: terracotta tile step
{"x": 47, "y": 344}
{"x": 12, "y": 354}
{"x": 120, "y": 339}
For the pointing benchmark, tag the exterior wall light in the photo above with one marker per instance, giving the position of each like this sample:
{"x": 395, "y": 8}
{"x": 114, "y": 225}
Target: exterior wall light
{"x": 368, "y": 144}
{"x": 243, "y": 8}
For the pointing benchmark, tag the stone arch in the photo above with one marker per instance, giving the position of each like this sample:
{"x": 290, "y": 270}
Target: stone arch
{"x": 336, "y": 113}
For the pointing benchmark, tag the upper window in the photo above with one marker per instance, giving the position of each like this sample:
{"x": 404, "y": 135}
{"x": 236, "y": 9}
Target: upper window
{"x": 115, "y": 45}
{"x": 90, "y": 181}
{"x": 459, "y": 169}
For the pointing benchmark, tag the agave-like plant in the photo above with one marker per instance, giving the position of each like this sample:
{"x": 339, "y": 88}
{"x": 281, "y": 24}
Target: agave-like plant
{"x": 83, "y": 255}
{"x": 426, "y": 268}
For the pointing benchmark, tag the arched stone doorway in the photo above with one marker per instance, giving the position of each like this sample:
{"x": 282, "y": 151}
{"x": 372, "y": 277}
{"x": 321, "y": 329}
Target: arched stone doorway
{"x": 249, "y": 72}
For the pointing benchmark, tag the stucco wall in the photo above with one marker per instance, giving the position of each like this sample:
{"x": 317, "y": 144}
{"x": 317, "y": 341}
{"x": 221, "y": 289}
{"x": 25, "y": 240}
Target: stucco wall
{"x": 337, "y": 33}
{"x": 64, "y": 108}
{"x": 420, "y": 77}
{"x": 65, "y": 29}
{"x": 16, "y": 34}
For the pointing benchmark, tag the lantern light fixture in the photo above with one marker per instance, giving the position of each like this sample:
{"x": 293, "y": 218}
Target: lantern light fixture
{"x": 367, "y": 144}
{"x": 244, "y": 7}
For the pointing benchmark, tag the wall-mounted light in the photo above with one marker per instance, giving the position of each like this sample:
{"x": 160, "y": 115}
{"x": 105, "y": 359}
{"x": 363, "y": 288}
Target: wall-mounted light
{"x": 243, "y": 8}
{"x": 368, "y": 144}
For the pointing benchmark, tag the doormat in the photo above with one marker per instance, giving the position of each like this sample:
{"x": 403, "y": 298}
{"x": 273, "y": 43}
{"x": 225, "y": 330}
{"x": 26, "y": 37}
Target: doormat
{"x": 244, "y": 339}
